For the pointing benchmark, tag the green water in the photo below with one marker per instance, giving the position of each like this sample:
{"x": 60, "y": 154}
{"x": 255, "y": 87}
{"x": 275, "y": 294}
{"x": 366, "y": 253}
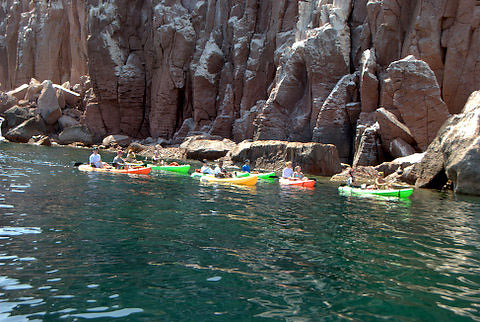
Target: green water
{"x": 165, "y": 247}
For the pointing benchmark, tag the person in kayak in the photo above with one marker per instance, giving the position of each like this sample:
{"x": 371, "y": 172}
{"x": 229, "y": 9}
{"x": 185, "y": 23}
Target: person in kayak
{"x": 246, "y": 166}
{"x": 205, "y": 168}
{"x": 95, "y": 159}
{"x": 288, "y": 171}
{"x": 119, "y": 162}
{"x": 131, "y": 157}
{"x": 298, "y": 174}
{"x": 219, "y": 172}
{"x": 351, "y": 178}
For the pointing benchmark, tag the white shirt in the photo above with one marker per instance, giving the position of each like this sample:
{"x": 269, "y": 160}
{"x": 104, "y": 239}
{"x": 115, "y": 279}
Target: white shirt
{"x": 96, "y": 160}
{"x": 206, "y": 169}
{"x": 217, "y": 170}
{"x": 287, "y": 172}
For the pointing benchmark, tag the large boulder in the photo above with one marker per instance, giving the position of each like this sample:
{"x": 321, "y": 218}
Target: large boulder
{"x": 33, "y": 90}
{"x": 18, "y": 114}
{"x": 77, "y": 133}
{"x": 70, "y": 97}
{"x": 454, "y": 154}
{"x": 117, "y": 139}
{"x": 24, "y": 131}
{"x": 391, "y": 128}
{"x": 67, "y": 121}
{"x": 314, "y": 158}
{"x": 411, "y": 89}
{"x": 47, "y": 104}
{"x": 198, "y": 148}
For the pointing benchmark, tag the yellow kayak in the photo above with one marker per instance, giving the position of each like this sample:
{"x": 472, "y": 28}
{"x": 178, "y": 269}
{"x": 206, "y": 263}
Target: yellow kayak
{"x": 247, "y": 181}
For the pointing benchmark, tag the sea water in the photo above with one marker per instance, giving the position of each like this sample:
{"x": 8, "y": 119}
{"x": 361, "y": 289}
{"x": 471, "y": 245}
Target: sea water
{"x": 166, "y": 247}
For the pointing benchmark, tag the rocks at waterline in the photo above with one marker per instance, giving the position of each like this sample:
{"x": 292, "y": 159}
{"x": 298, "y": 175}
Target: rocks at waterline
{"x": 198, "y": 148}
{"x": 24, "y": 131}
{"x": 454, "y": 154}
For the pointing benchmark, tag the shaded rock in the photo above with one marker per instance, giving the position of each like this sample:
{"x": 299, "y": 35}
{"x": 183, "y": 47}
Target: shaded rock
{"x": 454, "y": 154}
{"x": 399, "y": 148}
{"x": 67, "y": 121}
{"x": 70, "y": 97}
{"x": 40, "y": 140}
{"x": 33, "y": 90}
{"x": 136, "y": 147}
{"x": 16, "y": 115}
{"x": 6, "y": 101}
{"x": 47, "y": 104}
{"x": 198, "y": 149}
{"x": 24, "y": 131}
{"x": 77, "y": 133}
{"x": 244, "y": 127}
{"x": 368, "y": 81}
{"x": 414, "y": 92}
{"x": 314, "y": 158}
{"x": 391, "y": 128}
{"x": 333, "y": 124}
{"x": 182, "y": 133}
{"x": 368, "y": 146}
{"x": 117, "y": 139}
{"x": 19, "y": 92}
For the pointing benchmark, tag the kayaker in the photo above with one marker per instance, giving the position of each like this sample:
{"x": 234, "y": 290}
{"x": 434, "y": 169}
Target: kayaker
{"x": 119, "y": 162}
{"x": 288, "y": 171}
{"x": 205, "y": 168}
{"x": 246, "y": 166}
{"x": 350, "y": 179}
{"x": 131, "y": 157}
{"x": 298, "y": 174}
{"x": 95, "y": 159}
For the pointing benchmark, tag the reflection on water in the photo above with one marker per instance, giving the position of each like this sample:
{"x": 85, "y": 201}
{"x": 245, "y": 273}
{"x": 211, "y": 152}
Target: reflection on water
{"x": 165, "y": 247}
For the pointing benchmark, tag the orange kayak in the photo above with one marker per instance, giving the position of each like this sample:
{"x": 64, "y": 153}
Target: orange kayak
{"x": 138, "y": 170}
{"x": 298, "y": 183}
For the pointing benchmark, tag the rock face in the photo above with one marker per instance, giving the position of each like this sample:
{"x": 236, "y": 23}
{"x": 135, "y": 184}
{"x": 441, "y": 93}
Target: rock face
{"x": 289, "y": 70}
{"x": 314, "y": 158}
{"x": 455, "y": 152}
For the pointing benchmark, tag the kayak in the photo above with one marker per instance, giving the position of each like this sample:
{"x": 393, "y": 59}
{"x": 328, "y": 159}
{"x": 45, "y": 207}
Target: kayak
{"x": 298, "y": 183}
{"x": 266, "y": 175}
{"x": 248, "y": 181}
{"x": 141, "y": 170}
{"x": 197, "y": 175}
{"x": 172, "y": 168}
{"x": 401, "y": 193}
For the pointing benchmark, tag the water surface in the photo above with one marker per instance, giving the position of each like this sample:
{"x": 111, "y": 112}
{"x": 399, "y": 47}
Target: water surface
{"x": 165, "y": 247}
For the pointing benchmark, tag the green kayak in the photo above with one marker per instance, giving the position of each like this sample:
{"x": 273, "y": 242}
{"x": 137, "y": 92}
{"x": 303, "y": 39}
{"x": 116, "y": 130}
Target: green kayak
{"x": 400, "y": 193}
{"x": 267, "y": 175}
{"x": 172, "y": 168}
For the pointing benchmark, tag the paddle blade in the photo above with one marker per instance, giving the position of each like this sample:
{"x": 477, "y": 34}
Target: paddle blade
{"x": 76, "y": 164}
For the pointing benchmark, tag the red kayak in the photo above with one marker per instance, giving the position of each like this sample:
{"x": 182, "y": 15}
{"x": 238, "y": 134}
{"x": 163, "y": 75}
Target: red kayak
{"x": 309, "y": 183}
{"x": 137, "y": 170}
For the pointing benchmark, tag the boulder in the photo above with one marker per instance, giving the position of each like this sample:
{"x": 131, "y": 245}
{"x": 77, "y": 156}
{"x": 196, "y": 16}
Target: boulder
{"x": 67, "y": 121}
{"x": 6, "y": 101}
{"x": 368, "y": 147}
{"x": 19, "y": 92}
{"x": 454, "y": 154}
{"x": 391, "y": 128}
{"x": 117, "y": 139}
{"x": 33, "y": 90}
{"x": 198, "y": 148}
{"x": 17, "y": 114}
{"x": 24, "y": 131}
{"x": 314, "y": 158}
{"x": 70, "y": 97}
{"x": 136, "y": 147}
{"x": 47, "y": 102}
{"x": 368, "y": 81}
{"x": 412, "y": 89}
{"x": 77, "y": 133}
{"x": 400, "y": 163}
{"x": 40, "y": 140}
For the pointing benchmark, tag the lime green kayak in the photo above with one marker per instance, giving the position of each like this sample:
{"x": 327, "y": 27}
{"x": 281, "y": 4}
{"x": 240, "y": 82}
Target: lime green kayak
{"x": 267, "y": 175}
{"x": 400, "y": 193}
{"x": 172, "y": 168}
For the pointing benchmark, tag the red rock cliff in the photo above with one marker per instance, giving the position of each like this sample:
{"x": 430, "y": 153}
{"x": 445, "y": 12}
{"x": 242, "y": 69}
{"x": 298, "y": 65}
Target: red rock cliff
{"x": 244, "y": 69}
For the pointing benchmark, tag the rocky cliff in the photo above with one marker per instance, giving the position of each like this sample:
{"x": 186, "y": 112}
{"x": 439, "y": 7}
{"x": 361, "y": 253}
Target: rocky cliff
{"x": 376, "y": 78}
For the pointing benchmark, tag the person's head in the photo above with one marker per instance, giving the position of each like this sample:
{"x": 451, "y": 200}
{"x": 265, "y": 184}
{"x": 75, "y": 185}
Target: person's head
{"x": 289, "y": 164}
{"x": 247, "y": 161}
{"x": 298, "y": 168}
{"x": 204, "y": 161}
{"x": 119, "y": 153}
{"x": 95, "y": 150}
